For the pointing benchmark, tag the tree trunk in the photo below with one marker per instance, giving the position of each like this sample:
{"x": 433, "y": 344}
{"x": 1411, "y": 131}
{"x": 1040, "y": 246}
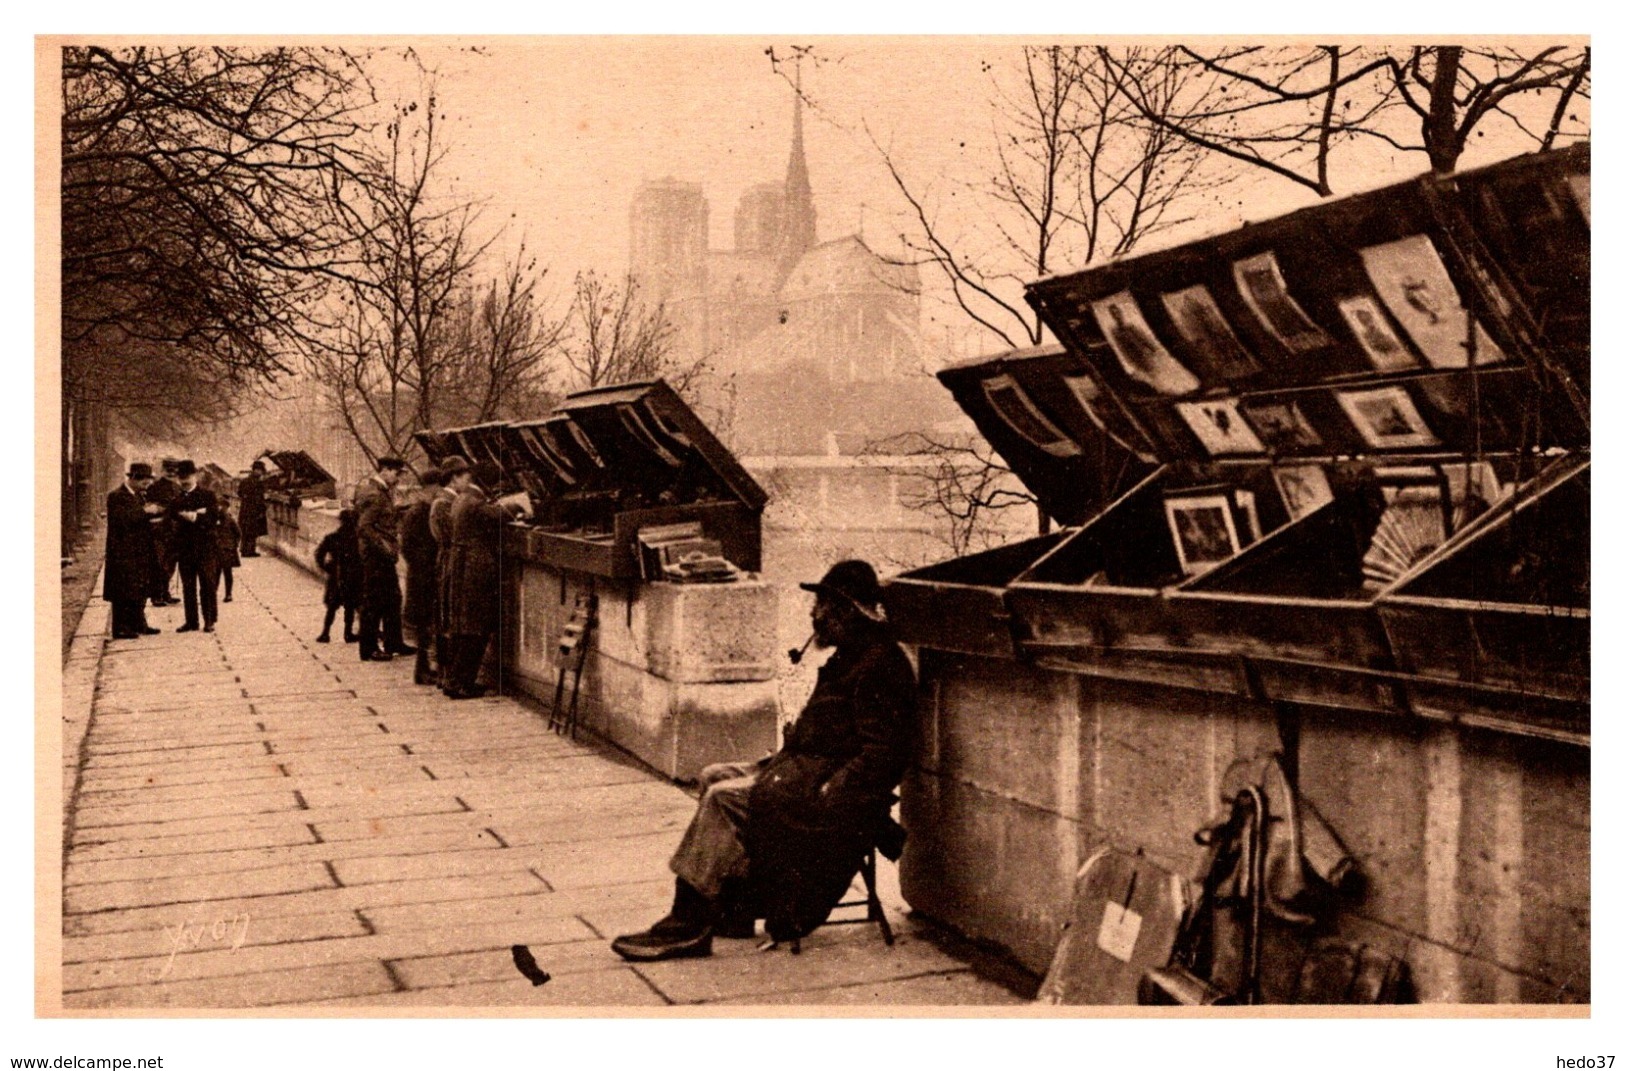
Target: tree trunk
{"x": 1439, "y": 132}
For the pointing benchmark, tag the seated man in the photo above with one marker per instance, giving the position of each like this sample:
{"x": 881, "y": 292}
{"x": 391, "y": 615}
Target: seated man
{"x": 798, "y": 823}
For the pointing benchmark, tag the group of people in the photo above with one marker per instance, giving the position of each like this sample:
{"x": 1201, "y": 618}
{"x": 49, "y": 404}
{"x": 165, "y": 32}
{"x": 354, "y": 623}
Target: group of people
{"x": 158, "y": 526}
{"x": 450, "y": 536}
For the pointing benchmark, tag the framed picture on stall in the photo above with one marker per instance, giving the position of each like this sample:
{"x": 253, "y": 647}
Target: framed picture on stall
{"x": 1015, "y": 407}
{"x": 1140, "y": 353}
{"x": 1386, "y": 418}
{"x": 1303, "y": 488}
{"x": 1264, "y": 289}
{"x": 1204, "y": 530}
{"x": 1220, "y": 427}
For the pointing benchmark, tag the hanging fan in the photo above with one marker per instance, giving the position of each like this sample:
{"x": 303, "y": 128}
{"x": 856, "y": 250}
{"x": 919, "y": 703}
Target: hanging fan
{"x": 1410, "y": 528}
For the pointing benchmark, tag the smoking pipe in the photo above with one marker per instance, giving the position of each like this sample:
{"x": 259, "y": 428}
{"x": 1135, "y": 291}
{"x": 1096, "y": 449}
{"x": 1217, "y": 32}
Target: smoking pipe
{"x": 796, "y": 653}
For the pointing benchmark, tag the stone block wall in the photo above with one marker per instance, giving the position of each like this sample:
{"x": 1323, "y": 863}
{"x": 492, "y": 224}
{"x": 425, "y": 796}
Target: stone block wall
{"x": 679, "y": 675}
{"x": 1475, "y": 844}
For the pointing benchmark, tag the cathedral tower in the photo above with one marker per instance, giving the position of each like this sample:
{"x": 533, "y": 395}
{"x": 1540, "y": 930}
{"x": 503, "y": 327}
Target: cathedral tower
{"x": 800, "y": 221}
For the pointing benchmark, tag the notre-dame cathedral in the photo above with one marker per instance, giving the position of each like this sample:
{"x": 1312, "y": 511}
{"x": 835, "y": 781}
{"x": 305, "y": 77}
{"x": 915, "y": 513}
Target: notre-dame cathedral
{"x": 810, "y": 341}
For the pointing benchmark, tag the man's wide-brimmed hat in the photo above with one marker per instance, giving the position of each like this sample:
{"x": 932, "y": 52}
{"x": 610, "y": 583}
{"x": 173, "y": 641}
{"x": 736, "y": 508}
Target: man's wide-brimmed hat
{"x": 451, "y": 465}
{"x": 854, "y": 581}
{"x": 391, "y": 463}
{"x": 487, "y": 474}
{"x": 257, "y": 466}
{"x": 185, "y": 467}
{"x": 140, "y": 470}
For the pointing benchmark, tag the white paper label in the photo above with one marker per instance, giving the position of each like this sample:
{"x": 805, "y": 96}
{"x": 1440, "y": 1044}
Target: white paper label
{"x": 1119, "y": 929}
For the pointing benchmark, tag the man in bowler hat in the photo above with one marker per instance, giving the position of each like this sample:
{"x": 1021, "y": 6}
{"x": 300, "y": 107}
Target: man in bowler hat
{"x": 195, "y": 514}
{"x": 378, "y": 533}
{"x": 130, "y": 559}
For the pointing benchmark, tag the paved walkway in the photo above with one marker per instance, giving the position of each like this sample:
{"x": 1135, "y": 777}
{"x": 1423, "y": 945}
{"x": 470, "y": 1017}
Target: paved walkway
{"x": 256, "y": 819}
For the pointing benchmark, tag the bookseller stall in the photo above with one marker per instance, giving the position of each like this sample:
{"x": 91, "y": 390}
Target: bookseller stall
{"x": 300, "y": 504}
{"x": 1324, "y": 483}
{"x": 643, "y": 521}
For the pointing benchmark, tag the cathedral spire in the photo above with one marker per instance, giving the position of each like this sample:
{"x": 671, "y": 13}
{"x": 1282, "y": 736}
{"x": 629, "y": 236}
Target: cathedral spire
{"x": 800, "y": 231}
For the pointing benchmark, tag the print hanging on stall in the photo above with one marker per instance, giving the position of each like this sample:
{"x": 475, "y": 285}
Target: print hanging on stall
{"x": 1220, "y": 427}
{"x": 1018, "y": 412}
{"x": 1092, "y": 401}
{"x": 1413, "y": 283}
{"x": 1303, "y": 488}
{"x": 1264, "y": 289}
{"x": 1580, "y": 186}
{"x": 1283, "y": 425}
{"x": 1137, "y": 349}
{"x": 1197, "y": 318}
{"x": 1204, "y": 531}
{"x": 1386, "y": 418}
{"x": 1382, "y": 347}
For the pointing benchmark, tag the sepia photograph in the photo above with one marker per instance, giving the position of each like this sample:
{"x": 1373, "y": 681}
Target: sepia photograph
{"x": 1143, "y": 357}
{"x": 597, "y": 527}
{"x": 1386, "y": 419}
{"x": 1204, "y": 529}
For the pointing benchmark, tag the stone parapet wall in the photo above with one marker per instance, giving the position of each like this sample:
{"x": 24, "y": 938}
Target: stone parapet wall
{"x": 1475, "y": 844}
{"x": 679, "y": 675}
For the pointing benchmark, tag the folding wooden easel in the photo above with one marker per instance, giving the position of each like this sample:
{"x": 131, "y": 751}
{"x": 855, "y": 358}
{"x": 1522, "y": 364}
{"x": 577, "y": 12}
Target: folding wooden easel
{"x": 573, "y": 645}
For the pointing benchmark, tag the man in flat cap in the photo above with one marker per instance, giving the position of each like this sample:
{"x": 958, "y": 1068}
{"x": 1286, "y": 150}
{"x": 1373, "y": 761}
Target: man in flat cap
{"x": 781, "y": 838}
{"x": 378, "y": 532}
{"x": 130, "y": 559}
{"x": 195, "y": 513}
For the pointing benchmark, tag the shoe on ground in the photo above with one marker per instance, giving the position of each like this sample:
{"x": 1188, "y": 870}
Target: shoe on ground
{"x": 226, "y": 599}
{"x": 126, "y": 635}
{"x": 209, "y": 627}
{"x": 352, "y": 639}
{"x": 187, "y": 628}
{"x": 378, "y": 656}
{"x": 426, "y": 679}
{"x": 147, "y": 630}
{"x": 403, "y": 650}
{"x": 737, "y": 927}
{"x": 324, "y": 638}
{"x": 649, "y": 946}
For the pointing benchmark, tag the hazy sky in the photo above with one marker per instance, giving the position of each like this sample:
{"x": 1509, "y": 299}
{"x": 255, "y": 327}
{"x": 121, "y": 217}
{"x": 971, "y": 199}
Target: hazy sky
{"x": 556, "y": 134}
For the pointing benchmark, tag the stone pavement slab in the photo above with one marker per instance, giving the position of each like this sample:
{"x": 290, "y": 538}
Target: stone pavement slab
{"x": 257, "y": 820}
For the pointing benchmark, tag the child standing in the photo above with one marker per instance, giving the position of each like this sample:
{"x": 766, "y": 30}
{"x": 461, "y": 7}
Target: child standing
{"x": 226, "y": 537}
{"x": 339, "y": 556}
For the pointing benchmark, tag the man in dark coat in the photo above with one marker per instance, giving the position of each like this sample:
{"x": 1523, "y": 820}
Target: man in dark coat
{"x": 163, "y": 491}
{"x": 475, "y": 567}
{"x": 422, "y": 574}
{"x": 454, "y": 480}
{"x": 130, "y": 558}
{"x": 378, "y": 533}
{"x": 195, "y": 514}
{"x": 251, "y": 513}
{"x": 793, "y": 828}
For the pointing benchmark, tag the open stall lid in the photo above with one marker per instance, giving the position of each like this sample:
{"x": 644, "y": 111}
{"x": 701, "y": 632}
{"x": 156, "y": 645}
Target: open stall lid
{"x": 299, "y": 468}
{"x": 1372, "y": 324}
{"x": 652, "y": 444}
{"x": 1044, "y": 410}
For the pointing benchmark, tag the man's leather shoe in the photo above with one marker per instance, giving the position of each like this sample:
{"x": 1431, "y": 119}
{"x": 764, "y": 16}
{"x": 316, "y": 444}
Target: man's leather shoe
{"x": 209, "y": 627}
{"x": 148, "y": 630}
{"x": 126, "y": 635}
{"x": 403, "y": 650}
{"x": 187, "y": 628}
{"x": 323, "y": 638}
{"x": 378, "y": 656}
{"x": 649, "y": 946}
{"x": 227, "y": 598}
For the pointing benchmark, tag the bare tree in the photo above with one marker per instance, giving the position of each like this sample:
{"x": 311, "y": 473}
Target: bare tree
{"x": 616, "y": 337}
{"x": 505, "y": 348}
{"x": 1284, "y": 109}
{"x": 964, "y": 482}
{"x": 1072, "y": 181}
{"x": 387, "y": 349}
{"x": 199, "y": 188}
